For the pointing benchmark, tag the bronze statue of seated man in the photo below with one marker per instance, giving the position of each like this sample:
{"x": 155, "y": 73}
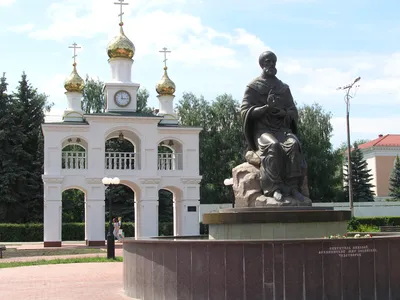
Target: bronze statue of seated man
{"x": 270, "y": 120}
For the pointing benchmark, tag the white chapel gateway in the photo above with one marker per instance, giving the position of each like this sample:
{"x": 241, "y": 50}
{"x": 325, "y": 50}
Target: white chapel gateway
{"x": 75, "y": 154}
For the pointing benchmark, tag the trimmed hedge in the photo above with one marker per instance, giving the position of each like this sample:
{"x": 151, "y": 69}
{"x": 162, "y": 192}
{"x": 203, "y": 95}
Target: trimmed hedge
{"x": 33, "y": 232}
{"x": 76, "y": 231}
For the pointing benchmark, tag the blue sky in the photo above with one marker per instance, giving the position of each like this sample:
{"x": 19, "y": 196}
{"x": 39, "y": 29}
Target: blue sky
{"x": 321, "y": 44}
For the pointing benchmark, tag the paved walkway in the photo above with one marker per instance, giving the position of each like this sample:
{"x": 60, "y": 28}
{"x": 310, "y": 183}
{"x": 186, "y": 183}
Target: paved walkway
{"x": 97, "y": 281}
{"x": 66, "y": 245}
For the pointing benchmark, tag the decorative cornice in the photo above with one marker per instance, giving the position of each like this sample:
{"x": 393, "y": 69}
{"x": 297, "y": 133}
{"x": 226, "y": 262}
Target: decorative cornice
{"x": 195, "y": 180}
{"x": 150, "y": 180}
{"x": 52, "y": 179}
{"x": 94, "y": 180}
{"x": 180, "y": 130}
{"x": 48, "y": 127}
{"x": 380, "y": 151}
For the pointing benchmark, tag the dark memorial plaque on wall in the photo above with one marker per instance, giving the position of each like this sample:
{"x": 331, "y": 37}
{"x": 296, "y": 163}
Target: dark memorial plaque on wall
{"x": 192, "y": 208}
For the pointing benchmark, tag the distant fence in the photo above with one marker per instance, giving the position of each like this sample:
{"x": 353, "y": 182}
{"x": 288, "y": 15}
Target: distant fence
{"x": 361, "y": 209}
{"x": 367, "y": 209}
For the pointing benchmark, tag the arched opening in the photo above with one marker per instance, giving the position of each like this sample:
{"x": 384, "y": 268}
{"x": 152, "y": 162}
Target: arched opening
{"x": 122, "y": 200}
{"x": 122, "y": 150}
{"x": 165, "y": 213}
{"x": 74, "y": 154}
{"x": 170, "y": 155}
{"x": 73, "y": 211}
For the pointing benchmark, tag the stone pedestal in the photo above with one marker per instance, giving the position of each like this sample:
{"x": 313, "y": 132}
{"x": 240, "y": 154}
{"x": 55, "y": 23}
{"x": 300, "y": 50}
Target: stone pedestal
{"x": 276, "y": 223}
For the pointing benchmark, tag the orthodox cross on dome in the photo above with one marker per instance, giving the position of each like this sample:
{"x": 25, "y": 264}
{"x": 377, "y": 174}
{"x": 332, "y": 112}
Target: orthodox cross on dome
{"x": 74, "y": 46}
{"x": 165, "y": 51}
{"x": 121, "y": 13}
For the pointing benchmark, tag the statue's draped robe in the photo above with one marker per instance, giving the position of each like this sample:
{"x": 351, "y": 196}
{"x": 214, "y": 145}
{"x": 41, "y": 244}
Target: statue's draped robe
{"x": 274, "y": 137}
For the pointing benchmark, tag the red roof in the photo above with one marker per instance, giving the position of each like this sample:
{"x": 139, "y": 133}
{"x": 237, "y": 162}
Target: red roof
{"x": 389, "y": 140}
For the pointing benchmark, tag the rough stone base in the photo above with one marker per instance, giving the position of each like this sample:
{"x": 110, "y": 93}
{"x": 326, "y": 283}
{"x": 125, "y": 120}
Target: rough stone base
{"x": 247, "y": 187}
{"x": 263, "y": 201}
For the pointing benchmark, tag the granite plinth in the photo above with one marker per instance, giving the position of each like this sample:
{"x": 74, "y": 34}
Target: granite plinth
{"x": 312, "y": 269}
{"x": 276, "y": 223}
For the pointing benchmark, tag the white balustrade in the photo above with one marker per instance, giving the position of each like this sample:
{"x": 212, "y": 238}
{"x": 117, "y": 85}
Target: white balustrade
{"x": 120, "y": 160}
{"x": 169, "y": 161}
{"x": 75, "y": 160}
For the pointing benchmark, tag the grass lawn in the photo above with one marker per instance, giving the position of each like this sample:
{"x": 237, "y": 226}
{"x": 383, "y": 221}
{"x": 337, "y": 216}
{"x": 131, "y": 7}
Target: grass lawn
{"x": 13, "y": 252}
{"x": 59, "y": 261}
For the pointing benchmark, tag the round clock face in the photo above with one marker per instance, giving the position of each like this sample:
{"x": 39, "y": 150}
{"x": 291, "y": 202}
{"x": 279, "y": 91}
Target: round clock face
{"x": 122, "y": 98}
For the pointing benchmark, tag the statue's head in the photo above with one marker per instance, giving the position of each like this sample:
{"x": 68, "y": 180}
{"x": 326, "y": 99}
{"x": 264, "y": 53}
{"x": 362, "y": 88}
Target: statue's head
{"x": 267, "y": 61}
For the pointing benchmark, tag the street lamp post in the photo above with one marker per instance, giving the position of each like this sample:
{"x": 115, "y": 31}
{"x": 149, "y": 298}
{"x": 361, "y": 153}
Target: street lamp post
{"x": 347, "y": 98}
{"x": 110, "y": 236}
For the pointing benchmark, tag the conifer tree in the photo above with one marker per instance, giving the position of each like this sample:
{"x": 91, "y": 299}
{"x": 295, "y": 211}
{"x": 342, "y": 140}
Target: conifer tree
{"x": 361, "y": 177}
{"x": 9, "y": 149}
{"x": 28, "y": 108}
{"x": 394, "y": 189}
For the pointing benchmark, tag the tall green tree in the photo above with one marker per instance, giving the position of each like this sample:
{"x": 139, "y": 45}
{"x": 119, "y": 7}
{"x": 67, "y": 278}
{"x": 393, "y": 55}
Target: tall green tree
{"x": 315, "y": 132}
{"x": 361, "y": 177}
{"x": 222, "y": 143}
{"x": 394, "y": 188}
{"x": 29, "y": 107}
{"x": 10, "y": 152}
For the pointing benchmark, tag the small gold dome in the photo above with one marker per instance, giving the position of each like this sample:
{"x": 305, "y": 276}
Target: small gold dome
{"x": 121, "y": 46}
{"x": 74, "y": 83}
{"x": 165, "y": 86}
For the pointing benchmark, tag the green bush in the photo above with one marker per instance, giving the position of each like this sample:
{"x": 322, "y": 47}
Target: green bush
{"x": 29, "y": 232}
{"x": 33, "y": 232}
{"x": 371, "y": 224}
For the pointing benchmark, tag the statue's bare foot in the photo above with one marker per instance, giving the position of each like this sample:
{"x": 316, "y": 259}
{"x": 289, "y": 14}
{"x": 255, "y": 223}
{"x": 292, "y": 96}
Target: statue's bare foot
{"x": 296, "y": 194}
{"x": 278, "y": 196}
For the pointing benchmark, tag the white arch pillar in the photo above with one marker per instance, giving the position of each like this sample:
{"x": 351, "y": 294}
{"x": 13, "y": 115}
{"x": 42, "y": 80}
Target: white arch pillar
{"x": 95, "y": 212}
{"x": 187, "y": 210}
{"x": 52, "y": 211}
{"x": 146, "y": 209}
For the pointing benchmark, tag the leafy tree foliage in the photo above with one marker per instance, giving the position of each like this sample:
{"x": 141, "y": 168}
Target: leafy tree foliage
{"x": 73, "y": 206}
{"x": 93, "y": 96}
{"x": 395, "y": 181}
{"x": 361, "y": 177}
{"x": 315, "y": 132}
{"x": 165, "y": 206}
{"x": 222, "y": 142}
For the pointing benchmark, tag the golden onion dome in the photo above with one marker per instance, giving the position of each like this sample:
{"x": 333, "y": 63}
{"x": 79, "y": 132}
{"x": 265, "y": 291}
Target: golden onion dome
{"x": 165, "y": 86}
{"x": 74, "y": 82}
{"x": 121, "y": 46}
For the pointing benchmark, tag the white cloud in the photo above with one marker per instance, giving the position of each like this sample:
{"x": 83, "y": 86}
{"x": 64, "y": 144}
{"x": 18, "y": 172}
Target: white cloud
{"x": 254, "y": 44}
{"x": 6, "y": 2}
{"x": 21, "y": 28}
{"x": 193, "y": 42}
{"x": 365, "y": 128}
